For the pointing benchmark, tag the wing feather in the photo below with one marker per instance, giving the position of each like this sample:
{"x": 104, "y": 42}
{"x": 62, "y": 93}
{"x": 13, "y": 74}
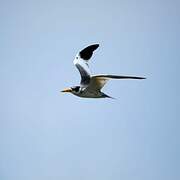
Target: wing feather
{"x": 81, "y": 63}
{"x": 97, "y": 82}
{"x": 118, "y": 77}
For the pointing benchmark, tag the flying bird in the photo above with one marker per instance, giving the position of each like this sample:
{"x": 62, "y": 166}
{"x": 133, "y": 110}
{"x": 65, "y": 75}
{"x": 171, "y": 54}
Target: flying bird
{"x": 91, "y": 85}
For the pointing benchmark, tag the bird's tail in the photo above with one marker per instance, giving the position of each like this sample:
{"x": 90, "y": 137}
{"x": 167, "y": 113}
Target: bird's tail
{"x": 107, "y": 96}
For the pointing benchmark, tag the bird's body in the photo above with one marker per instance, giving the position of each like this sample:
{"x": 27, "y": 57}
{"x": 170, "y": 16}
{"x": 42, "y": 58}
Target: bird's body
{"x": 83, "y": 92}
{"x": 86, "y": 93}
{"x": 90, "y": 86}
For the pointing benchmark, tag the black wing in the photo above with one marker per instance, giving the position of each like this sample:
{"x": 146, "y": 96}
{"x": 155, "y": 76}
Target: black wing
{"x": 87, "y": 52}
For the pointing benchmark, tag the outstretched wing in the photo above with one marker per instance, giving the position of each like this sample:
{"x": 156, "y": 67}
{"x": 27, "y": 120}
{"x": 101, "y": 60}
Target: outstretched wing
{"x": 97, "y": 82}
{"x": 81, "y": 62}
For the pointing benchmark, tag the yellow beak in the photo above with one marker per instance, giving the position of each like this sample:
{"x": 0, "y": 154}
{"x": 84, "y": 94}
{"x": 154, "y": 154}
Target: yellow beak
{"x": 67, "y": 90}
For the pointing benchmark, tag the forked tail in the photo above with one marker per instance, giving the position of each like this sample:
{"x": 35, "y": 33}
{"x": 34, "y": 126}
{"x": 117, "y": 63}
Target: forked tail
{"x": 107, "y": 96}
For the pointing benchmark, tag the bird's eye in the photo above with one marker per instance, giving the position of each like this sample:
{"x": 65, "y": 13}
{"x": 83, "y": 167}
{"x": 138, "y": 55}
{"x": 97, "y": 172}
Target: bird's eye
{"x": 76, "y": 57}
{"x": 76, "y": 89}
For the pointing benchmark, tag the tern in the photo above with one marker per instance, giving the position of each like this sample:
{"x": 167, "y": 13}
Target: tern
{"x": 91, "y": 85}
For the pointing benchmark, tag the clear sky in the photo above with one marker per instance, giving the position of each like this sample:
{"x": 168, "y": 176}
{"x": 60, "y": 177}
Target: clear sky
{"x": 45, "y": 134}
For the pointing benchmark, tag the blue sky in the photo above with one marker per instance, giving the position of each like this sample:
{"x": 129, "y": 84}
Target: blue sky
{"x": 48, "y": 135}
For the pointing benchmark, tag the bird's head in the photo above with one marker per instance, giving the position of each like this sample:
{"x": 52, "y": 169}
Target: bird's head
{"x": 73, "y": 90}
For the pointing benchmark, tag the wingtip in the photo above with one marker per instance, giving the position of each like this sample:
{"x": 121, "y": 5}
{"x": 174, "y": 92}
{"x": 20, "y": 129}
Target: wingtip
{"x": 87, "y": 52}
{"x": 139, "y": 77}
{"x": 95, "y": 45}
